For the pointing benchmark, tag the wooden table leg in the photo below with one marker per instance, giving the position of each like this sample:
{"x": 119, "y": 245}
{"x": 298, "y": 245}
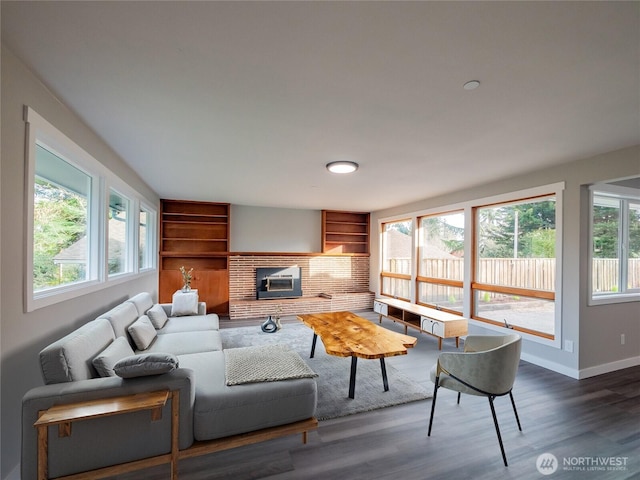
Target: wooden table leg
{"x": 352, "y": 378}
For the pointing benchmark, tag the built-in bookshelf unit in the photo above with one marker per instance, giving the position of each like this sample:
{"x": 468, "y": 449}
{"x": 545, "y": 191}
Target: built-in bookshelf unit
{"x": 345, "y": 232}
{"x": 195, "y": 235}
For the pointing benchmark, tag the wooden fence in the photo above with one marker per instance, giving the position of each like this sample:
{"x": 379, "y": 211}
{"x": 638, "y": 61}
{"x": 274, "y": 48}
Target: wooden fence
{"x": 530, "y": 273}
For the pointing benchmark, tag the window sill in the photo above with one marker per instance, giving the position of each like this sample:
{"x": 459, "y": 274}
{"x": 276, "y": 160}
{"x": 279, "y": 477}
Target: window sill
{"x": 607, "y": 299}
{"x": 68, "y": 292}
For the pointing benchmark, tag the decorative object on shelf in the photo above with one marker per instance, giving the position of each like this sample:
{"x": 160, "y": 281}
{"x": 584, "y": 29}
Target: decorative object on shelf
{"x": 186, "y": 279}
{"x": 269, "y": 326}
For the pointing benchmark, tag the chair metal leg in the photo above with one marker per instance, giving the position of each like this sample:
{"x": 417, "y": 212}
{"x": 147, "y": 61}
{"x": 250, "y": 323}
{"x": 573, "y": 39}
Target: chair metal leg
{"x": 433, "y": 405}
{"x": 495, "y": 421}
{"x": 515, "y": 411}
{"x": 458, "y": 398}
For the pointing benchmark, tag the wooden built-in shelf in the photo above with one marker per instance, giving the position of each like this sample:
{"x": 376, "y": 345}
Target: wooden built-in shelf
{"x": 196, "y": 235}
{"x": 345, "y": 232}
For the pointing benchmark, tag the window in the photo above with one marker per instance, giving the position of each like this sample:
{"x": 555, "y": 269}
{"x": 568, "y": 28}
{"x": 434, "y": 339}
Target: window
{"x": 515, "y": 265}
{"x": 61, "y": 199}
{"x": 80, "y": 234}
{"x": 397, "y": 254}
{"x": 145, "y": 230}
{"x": 615, "y": 244}
{"x": 495, "y": 261}
{"x": 118, "y": 233}
{"x": 441, "y": 261}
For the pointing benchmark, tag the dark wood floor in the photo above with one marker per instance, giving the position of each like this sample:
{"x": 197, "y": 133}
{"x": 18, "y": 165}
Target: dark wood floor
{"x": 578, "y": 422}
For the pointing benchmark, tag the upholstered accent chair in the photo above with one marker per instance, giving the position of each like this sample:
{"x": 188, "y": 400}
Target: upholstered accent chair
{"x": 487, "y": 368}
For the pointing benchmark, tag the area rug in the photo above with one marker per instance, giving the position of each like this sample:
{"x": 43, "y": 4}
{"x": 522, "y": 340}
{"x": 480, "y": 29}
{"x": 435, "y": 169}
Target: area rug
{"x": 333, "y": 372}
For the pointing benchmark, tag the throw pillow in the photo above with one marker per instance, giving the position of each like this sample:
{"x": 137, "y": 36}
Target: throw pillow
{"x": 106, "y": 360}
{"x": 146, "y": 364}
{"x": 158, "y": 316}
{"x": 184, "y": 304}
{"x": 143, "y": 332}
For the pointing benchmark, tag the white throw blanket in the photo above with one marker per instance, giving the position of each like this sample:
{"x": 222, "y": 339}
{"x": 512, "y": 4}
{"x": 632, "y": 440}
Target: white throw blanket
{"x": 267, "y": 363}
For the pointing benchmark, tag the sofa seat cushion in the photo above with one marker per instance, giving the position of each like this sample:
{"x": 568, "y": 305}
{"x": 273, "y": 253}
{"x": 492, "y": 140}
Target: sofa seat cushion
{"x": 222, "y": 410}
{"x": 193, "y": 323}
{"x": 182, "y": 343}
{"x": 70, "y": 358}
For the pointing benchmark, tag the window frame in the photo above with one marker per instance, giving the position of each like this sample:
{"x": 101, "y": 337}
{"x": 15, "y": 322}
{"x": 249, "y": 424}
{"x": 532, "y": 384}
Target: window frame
{"x": 40, "y": 131}
{"x": 625, "y": 196}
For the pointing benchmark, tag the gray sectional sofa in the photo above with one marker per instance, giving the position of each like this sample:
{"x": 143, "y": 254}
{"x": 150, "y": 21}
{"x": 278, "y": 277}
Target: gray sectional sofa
{"x": 104, "y": 358}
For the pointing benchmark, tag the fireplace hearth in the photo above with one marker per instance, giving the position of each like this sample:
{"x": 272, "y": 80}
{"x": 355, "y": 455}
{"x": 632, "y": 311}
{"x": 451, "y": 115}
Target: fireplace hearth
{"x": 278, "y": 282}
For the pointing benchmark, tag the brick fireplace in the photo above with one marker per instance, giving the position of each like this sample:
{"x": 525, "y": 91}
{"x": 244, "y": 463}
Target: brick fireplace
{"x": 329, "y": 283}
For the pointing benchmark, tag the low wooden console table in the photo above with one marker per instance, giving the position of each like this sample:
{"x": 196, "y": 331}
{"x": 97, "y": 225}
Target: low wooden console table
{"x": 65, "y": 415}
{"x": 428, "y": 320}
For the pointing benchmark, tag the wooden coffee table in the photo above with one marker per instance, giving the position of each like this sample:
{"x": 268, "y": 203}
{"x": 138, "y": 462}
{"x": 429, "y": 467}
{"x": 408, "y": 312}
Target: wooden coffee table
{"x": 344, "y": 334}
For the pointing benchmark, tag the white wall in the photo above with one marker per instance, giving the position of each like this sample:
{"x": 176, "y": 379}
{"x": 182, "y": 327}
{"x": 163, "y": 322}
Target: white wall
{"x": 23, "y": 335}
{"x": 259, "y": 229}
{"x": 595, "y": 331}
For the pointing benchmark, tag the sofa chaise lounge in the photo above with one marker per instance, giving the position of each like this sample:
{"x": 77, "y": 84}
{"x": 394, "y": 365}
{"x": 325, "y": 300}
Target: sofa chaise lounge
{"x": 104, "y": 358}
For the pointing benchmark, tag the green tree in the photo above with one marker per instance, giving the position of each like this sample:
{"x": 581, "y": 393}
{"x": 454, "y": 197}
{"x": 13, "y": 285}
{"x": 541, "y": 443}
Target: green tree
{"x": 498, "y": 227}
{"x": 605, "y": 231}
{"x": 443, "y": 235}
{"x": 59, "y": 221}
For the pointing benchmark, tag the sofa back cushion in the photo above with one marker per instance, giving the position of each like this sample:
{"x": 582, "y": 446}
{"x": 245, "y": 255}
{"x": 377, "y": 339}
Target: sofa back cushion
{"x": 142, "y": 301}
{"x": 158, "y": 316}
{"x": 106, "y": 360}
{"x": 70, "y": 358}
{"x": 143, "y": 332}
{"x": 121, "y": 317}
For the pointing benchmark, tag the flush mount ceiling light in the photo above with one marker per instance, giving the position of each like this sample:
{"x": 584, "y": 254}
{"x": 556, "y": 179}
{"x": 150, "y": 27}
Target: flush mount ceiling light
{"x": 342, "y": 167}
{"x": 471, "y": 85}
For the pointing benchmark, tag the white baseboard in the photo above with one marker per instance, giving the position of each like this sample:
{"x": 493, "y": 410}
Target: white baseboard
{"x": 556, "y": 367}
{"x": 585, "y": 372}
{"x": 609, "y": 367}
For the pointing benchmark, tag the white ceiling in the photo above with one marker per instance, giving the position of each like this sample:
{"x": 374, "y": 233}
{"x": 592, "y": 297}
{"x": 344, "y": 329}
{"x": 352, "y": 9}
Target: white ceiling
{"x": 246, "y": 102}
